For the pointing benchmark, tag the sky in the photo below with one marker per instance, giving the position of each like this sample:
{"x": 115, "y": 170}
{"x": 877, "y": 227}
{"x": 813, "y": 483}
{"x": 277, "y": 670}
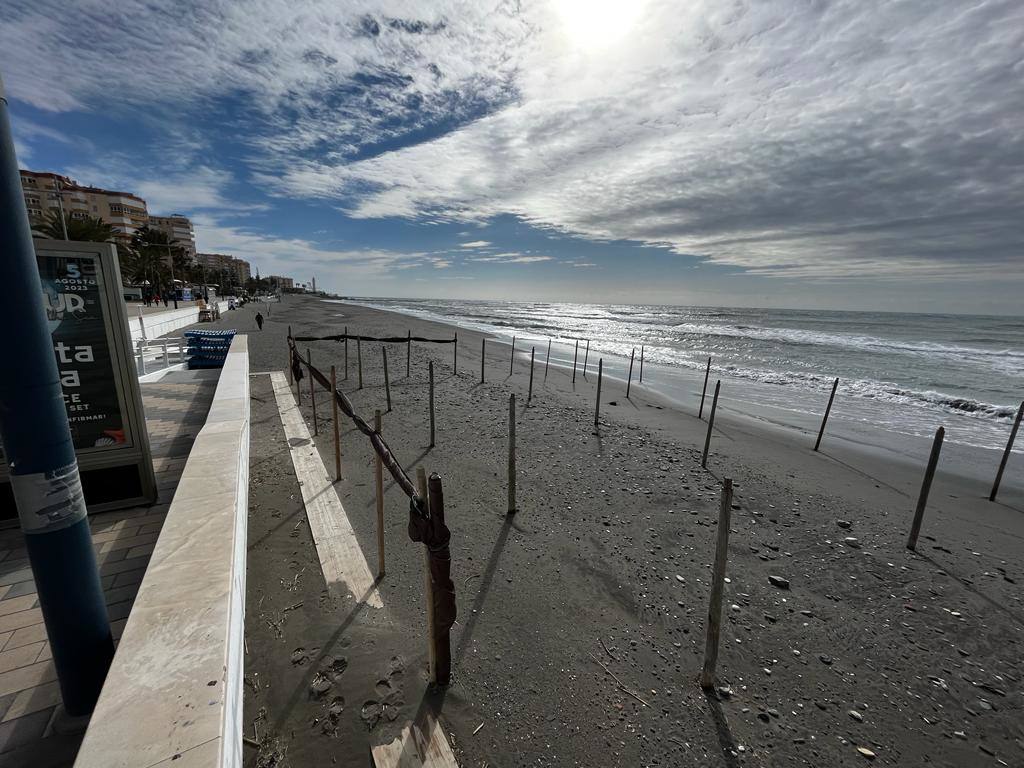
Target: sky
{"x": 853, "y": 154}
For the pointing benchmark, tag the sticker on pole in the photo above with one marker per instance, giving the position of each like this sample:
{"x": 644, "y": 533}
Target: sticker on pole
{"x": 49, "y": 501}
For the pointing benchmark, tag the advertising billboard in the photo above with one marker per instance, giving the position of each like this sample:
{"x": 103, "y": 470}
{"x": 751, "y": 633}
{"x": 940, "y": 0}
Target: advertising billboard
{"x": 81, "y": 284}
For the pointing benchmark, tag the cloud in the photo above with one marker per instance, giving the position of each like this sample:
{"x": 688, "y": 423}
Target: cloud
{"x": 511, "y": 258}
{"x": 819, "y": 141}
{"x": 298, "y": 256}
{"x": 476, "y": 244}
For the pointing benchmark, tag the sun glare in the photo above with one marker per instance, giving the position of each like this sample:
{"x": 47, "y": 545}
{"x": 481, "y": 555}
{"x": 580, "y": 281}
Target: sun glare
{"x": 593, "y": 24}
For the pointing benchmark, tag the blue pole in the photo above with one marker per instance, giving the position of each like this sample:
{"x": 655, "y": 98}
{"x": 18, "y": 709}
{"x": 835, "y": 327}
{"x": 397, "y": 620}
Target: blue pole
{"x": 41, "y": 457}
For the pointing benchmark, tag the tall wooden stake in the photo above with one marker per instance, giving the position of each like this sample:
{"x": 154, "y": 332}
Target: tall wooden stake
{"x": 575, "y": 357}
{"x": 714, "y": 625}
{"x": 337, "y": 431}
{"x": 529, "y": 396}
{"x": 707, "y": 372}
{"x": 629, "y": 379}
{"x": 512, "y": 454}
{"x": 312, "y": 391}
{"x": 547, "y": 361}
{"x": 828, "y": 409}
{"x": 359, "y": 361}
{"x": 483, "y": 357}
{"x": 408, "y": 354}
{"x": 597, "y": 406}
{"x": 455, "y": 356}
{"x": 711, "y": 425}
{"x": 378, "y": 480}
{"x": 442, "y": 644}
{"x": 586, "y": 356}
{"x": 430, "y": 370}
{"x": 926, "y": 486}
{"x": 641, "y": 363}
{"x": 1006, "y": 454}
{"x": 387, "y": 379}
{"x": 428, "y": 586}
{"x": 346, "y": 353}
{"x": 512, "y": 358}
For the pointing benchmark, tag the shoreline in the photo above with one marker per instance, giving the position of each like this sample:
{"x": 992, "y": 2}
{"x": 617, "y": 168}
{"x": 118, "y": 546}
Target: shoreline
{"x": 853, "y": 440}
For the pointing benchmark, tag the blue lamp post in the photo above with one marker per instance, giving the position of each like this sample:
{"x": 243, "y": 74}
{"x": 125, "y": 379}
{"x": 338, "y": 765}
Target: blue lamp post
{"x": 41, "y": 458}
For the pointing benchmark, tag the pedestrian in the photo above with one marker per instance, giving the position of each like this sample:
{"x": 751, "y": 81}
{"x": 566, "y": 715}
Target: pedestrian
{"x": 259, "y": 320}
{"x": 165, "y": 301}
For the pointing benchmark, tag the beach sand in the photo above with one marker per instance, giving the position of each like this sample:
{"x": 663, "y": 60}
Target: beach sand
{"x": 915, "y": 657}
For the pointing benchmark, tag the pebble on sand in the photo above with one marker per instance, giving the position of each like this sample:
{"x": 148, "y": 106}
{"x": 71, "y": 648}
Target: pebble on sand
{"x": 778, "y": 581}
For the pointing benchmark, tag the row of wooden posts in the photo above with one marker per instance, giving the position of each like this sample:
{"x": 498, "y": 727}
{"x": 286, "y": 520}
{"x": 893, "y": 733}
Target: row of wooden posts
{"x": 725, "y": 506}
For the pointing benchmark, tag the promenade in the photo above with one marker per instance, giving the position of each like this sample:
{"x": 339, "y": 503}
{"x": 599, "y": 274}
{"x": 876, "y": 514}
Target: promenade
{"x": 176, "y": 409}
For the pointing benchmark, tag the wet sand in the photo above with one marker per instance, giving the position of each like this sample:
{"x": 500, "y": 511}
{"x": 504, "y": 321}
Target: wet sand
{"x": 608, "y": 558}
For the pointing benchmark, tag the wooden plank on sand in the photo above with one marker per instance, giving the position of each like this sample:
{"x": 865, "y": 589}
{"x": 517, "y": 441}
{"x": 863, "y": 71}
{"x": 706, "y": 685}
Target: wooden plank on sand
{"x": 416, "y": 747}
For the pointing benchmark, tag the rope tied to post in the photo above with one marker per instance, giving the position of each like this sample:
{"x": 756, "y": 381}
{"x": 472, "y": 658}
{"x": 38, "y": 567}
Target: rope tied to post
{"x": 426, "y": 522}
{"x": 385, "y": 339}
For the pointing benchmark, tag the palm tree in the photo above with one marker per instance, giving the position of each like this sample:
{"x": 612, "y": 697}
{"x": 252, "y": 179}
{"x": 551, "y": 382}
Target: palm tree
{"x": 89, "y": 229}
{"x": 151, "y": 248}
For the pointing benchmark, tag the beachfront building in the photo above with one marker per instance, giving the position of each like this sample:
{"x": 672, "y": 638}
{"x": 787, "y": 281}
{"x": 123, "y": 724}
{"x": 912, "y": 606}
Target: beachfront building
{"x": 224, "y": 268}
{"x": 44, "y": 192}
{"x": 178, "y": 229}
{"x": 281, "y": 283}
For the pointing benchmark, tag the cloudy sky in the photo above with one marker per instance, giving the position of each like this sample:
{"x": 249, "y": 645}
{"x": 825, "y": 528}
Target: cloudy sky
{"x": 856, "y": 153}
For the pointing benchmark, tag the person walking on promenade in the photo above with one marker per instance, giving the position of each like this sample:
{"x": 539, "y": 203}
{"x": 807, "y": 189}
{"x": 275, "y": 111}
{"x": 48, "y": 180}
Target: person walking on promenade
{"x": 259, "y": 320}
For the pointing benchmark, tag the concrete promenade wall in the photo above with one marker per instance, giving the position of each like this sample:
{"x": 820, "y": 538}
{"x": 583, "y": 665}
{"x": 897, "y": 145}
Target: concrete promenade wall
{"x": 173, "y": 696}
{"x": 158, "y": 324}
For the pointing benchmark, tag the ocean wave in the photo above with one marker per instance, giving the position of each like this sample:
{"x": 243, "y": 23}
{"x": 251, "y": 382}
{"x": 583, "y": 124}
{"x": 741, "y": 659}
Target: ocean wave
{"x": 870, "y": 389}
{"x": 800, "y": 336}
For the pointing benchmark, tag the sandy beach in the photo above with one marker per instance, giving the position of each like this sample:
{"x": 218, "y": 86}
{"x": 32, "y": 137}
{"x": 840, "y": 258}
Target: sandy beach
{"x": 581, "y": 618}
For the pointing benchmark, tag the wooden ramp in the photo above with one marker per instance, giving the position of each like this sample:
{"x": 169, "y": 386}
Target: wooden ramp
{"x": 416, "y": 747}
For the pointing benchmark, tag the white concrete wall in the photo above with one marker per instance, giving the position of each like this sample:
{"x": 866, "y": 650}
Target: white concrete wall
{"x": 158, "y": 324}
{"x": 175, "y": 686}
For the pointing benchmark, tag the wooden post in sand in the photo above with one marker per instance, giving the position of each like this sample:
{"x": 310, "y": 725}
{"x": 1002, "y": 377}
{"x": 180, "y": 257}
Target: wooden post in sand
{"x": 512, "y": 454}
{"x": 337, "y": 432}
{"x": 441, "y": 644}
{"x": 828, "y": 409}
{"x": 629, "y": 379}
{"x": 359, "y": 360}
{"x": 641, "y": 363}
{"x": 455, "y": 356}
{"x": 430, "y": 370}
{"x": 597, "y": 406}
{"x": 586, "y": 354}
{"x": 346, "y": 353}
{"x": 926, "y": 486}
{"x": 547, "y": 361}
{"x": 387, "y": 379}
{"x": 711, "y": 425}
{"x": 408, "y": 354}
{"x": 312, "y": 390}
{"x": 707, "y": 372}
{"x": 378, "y": 481}
{"x": 575, "y": 357}
{"x": 290, "y": 381}
{"x": 483, "y": 357}
{"x": 428, "y": 585}
{"x": 512, "y": 359}
{"x": 529, "y": 396}
{"x": 714, "y": 625}
{"x": 1006, "y": 453}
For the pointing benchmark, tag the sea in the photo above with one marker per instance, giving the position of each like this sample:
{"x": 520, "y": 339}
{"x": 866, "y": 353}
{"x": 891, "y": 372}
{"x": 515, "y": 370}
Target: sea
{"x": 898, "y": 372}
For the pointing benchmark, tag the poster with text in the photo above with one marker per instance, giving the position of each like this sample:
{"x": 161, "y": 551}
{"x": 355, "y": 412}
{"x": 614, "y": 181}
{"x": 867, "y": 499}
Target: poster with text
{"x": 73, "y": 293}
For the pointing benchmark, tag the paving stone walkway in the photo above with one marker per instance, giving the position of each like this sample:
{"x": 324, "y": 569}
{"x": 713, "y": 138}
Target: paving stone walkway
{"x": 176, "y": 408}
